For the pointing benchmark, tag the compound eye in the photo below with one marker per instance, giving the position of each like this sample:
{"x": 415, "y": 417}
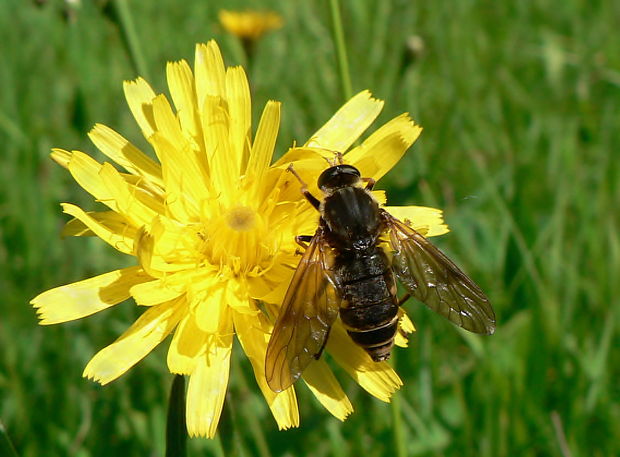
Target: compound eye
{"x": 350, "y": 169}
{"x": 338, "y": 176}
{"x": 326, "y": 177}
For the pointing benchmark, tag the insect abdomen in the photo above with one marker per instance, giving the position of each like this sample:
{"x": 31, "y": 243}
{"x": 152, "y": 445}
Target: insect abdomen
{"x": 370, "y": 310}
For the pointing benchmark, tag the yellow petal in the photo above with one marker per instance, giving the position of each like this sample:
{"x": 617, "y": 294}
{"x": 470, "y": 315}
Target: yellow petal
{"x": 377, "y": 378}
{"x": 88, "y": 174}
{"x": 61, "y": 157}
{"x": 129, "y": 201}
{"x": 349, "y": 122}
{"x": 112, "y": 221}
{"x": 224, "y": 171}
{"x": 155, "y": 292}
{"x": 139, "y": 97}
{"x": 405, "y": 326}
{"x": 181, "y": 199}
{"x": 144, "y": 245}
{"x": 148, "y": 244}
{"x": 179, "y": 156}
{"x": 210, "y": 72}
{"x": 427, "y": 221}
{"x": 207, "y": 385}
{"x": 309, "y": 171}
{"x": 75, "y": 227}
{"x": 85, "y": 170}
{"x": 166, "y": 122}
{"x": 140, "y": 339}
{"x": 122, "y": 241}
{"x": 209, "y": 301}
{"x": 150, "y": 260}
{"x": 253, "y": 334}
{"x": 327, "y": 390}
{"x": 405, "y": 322}
{"x": 83, "y": 298}
{"x": 271, "y": 286}
{"x": 264, "y": 143}
{"x": 188, "y": 345}
{"x": 297, "y": 154}
{"x": 176, "y": 244}
{"x": 181, "y": 84}
{"x": 385, "y": 147}
{"x": 380, "y": 196}
{"x": 121, "y": 151}
{"x": 240, "y": 111}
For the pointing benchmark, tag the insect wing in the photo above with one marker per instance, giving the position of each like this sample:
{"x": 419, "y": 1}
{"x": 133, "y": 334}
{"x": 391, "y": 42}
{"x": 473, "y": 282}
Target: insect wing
{"x": 435, "y": 280}
{"x": 309, "y": 309}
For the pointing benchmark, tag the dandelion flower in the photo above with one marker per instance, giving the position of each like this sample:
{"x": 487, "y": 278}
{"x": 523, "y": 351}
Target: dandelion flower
{"x": 249, "y": 25}
{"x": 212, "y": 225}
{"x": 205, "y": 223}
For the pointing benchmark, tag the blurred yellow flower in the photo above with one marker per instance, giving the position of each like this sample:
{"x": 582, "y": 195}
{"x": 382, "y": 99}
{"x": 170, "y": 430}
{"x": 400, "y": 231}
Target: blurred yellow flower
{"x": 249, "y": 25}
{"x": 212, "y": 227}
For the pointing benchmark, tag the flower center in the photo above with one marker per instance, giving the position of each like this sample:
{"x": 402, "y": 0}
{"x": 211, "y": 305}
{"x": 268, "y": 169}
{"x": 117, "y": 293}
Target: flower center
{"x": 241, "y": 219}
{"x": 237, "y": 240}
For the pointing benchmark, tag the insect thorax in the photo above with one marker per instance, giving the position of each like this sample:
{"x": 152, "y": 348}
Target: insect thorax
{"x": 352, "y": 216}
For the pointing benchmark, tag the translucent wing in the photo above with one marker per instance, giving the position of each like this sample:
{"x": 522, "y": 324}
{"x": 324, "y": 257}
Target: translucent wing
{"x": 435, "y": 280}
{"x": 310, "y": 307}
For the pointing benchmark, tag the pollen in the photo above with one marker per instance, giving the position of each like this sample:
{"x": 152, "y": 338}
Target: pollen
{"x": 241, "y": 219}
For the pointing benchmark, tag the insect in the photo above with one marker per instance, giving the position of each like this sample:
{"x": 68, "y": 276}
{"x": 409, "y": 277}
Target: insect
{"x": 344, "y": 271}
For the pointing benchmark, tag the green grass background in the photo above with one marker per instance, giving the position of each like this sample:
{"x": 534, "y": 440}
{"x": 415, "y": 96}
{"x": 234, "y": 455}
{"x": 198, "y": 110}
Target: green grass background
{"x": 520, "y": 104}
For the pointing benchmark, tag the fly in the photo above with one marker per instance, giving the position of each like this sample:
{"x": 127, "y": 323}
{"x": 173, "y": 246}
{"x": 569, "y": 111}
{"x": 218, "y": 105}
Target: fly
{"x": 345, "y": 272}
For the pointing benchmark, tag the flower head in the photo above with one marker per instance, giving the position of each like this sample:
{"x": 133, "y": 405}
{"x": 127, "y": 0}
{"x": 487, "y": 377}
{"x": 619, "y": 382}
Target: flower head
{"x": 205, "y": 223}
{"x": 249, "y": 25}
{"x": 212, "y": 227}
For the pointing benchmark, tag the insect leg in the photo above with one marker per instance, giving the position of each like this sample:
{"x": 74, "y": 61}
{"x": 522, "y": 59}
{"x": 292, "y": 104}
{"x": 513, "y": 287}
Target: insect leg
{"x": 303, "y": 241}
{"x": 370, "y": 183}
{"x": 403, "y": 299}
{"x": 317, "y": 356}
{"x": 304, "y": 188}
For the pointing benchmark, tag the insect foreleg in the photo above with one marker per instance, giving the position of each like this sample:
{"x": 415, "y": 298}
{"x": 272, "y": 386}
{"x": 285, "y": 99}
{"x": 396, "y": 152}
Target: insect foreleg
{"x": 370, "y": 183}
{"x": 304, "y": 188}
{"x": 403, "y": 299}
{"x": 303, "y": 240}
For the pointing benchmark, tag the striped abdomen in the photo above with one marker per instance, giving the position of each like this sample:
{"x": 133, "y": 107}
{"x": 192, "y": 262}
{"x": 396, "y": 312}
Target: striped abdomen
{"x": 369, "y": 307}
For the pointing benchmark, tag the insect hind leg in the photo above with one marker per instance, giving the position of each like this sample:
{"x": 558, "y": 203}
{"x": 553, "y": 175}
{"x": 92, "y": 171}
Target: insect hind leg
{"x": 303, "y": 241}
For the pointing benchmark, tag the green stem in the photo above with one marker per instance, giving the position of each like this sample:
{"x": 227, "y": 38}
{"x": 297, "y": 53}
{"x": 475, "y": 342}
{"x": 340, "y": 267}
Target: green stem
{"x": 341, "y": 49}
{"x": 176, "y": 430}
{"x": 6, "y": 446}
{"x": 130, "y": 35}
